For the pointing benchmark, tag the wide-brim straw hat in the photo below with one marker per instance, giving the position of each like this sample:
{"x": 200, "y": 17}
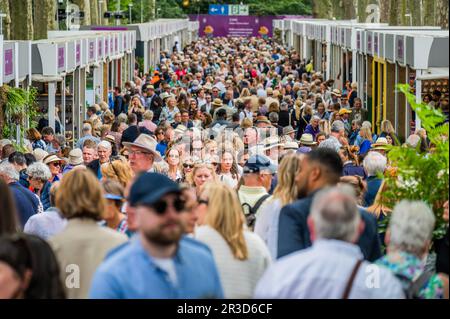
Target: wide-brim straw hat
{"x": 147, "y": 143}
{"x": 307, "y": 139}
{"x": 51, "y": 159}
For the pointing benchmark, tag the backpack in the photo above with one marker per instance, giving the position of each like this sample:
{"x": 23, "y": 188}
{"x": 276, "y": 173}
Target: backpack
{"x": 251, "y": 216}
{"x": 413, "y": 289}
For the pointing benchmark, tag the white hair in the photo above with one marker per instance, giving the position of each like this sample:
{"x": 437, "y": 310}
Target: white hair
{"x": 366, "y": 124}
{"x": 7, "y": 169}
{"x": 374, "y": 163}
{"x": 335, "y": 214}
{"x": 413, "y": 140}
{"x": 411, "y": 226}
{"x": 39, "y": 170}
{"x": 87, "y": 127}
{"x": 104, "y": 144}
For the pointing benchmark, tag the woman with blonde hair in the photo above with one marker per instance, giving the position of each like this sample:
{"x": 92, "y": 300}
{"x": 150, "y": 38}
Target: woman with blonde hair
{"x": 136, "y": 107}
{"x": 115, "y": 199}
{"x": 201, "y": 173}
{"x": 387, "y": 130}
{"x": 240, "y": 255}
{"x": 366, "y": 135}
{"x": 117, "y": 170}
{"x": 82, "y": 242}
{"x": 285, "y": 193}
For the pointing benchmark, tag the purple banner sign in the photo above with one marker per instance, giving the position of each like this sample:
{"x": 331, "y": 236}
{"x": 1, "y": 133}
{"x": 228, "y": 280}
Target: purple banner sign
{"x": 8, "y": 63}
{"x": 60, "y": 57}
{"x": 106, "y": 47}
{"x": 400, "y": 48}
{"x": 78, "y": 53}
{"x": 236, "y": 26}
{"x": 375, "y": 43}
{"x": 99, "y": 48}
{"x": 91, "y": 50}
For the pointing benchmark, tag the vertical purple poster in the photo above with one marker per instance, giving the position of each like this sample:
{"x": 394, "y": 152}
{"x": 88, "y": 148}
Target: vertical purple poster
{"x": 78, "y": 53}
{"x": 91, "y": 50}
{"x": 60, "y": 57}
{"x": 9, "y": 62}
{"x": 106, "y": 47}
{"x": 99, "y": 48}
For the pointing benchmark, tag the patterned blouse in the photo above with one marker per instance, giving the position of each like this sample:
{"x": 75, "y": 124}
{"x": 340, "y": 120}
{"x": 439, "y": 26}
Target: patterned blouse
{"x": 408, "y": 267}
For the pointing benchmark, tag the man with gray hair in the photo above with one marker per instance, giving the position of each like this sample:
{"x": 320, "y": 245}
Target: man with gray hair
{"x": 87, "y": 135}
{"x": 27, "y": 203}
{"x": 374, "y": 164}
{"x": 333, "y": 267}
{"x": 334, "y": 140}
{"x": 408, "y": 240}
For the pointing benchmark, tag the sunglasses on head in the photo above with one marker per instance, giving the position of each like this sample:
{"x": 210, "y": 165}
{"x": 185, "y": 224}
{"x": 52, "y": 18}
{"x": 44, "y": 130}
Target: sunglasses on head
{"x": 161, "y": 206}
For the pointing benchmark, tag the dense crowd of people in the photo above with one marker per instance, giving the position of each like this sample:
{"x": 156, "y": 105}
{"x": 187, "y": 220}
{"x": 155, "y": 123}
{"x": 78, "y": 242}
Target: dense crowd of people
{"x": 232, "y": 170}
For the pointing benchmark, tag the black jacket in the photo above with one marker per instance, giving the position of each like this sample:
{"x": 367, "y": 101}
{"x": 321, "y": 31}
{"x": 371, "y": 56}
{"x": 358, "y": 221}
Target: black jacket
{"x": 294, "y": 235}
{"x": 132, "y": 133}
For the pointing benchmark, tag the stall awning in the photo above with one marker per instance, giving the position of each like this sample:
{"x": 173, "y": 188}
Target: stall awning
{"x": 434, "y": 73}
{"x": 44, "y": 78}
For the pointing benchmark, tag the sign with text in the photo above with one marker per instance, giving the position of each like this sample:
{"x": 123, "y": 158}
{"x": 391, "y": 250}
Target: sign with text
{"x": 218, "y": 9}
{"x": 8, "y": 63}
{"x": 238, "y": 10}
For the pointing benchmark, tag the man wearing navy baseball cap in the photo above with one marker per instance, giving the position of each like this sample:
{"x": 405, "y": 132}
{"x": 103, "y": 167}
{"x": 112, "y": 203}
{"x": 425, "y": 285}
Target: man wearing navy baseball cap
{"x": 258, "y": 173}
{"x": 159, "y": 262}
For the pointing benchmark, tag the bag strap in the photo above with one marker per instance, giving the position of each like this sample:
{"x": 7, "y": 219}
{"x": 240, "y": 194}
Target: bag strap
{"x": 414, "y": 288}
{"x": 351, "y": 279}
{"x": 259, "y": 202}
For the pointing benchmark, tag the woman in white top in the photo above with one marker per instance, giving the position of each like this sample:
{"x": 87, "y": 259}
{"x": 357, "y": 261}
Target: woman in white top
{"x": 285, "y": 192}
{"x": 228, "y": 171}
{"x": 241, "y": 256}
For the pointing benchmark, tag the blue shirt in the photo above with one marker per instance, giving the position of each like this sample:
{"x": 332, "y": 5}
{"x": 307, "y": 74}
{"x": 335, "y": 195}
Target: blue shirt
{"x": 131, "y": 273}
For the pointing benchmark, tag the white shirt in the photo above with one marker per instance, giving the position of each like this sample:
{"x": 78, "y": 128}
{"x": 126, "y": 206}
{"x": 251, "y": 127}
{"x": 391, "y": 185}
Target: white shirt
{"x": 168, "y": 265}
{"x": 238, "y": 277}
{"x": 266, "y": 225}
{"x": 322, "y": 272}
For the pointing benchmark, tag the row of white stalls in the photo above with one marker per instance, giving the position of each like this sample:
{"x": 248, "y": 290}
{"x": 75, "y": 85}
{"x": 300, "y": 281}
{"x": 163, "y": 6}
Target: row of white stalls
{"x": 154, "y": 37}
{"x": 377, "y": 57}
{"x": 71, "y": 70}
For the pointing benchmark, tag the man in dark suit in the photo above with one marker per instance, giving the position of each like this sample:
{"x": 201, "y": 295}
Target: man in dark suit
{"x": 153, "y": 102}
{"x": 119, "y": 106}
{"x": 133, "y": 130}
{"x": 320, "y": 168}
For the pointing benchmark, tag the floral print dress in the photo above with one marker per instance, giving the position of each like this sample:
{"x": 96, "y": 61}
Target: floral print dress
{"x": 408, "y": 267}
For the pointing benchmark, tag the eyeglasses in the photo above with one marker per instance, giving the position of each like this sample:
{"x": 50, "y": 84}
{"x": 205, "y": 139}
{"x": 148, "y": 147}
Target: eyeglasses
{"x": 203, "y": 201}
{"x": 185, "y": 165}
{"x": 56, "y": 164}
{"x": 137, "y": 153}
{"x": 161, "y": 206}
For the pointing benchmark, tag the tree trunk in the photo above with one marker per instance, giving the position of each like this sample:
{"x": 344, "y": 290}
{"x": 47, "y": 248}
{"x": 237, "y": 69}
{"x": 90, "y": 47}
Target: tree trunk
{"x": 394, "y": 14}
{"x": 4, "y": 7}
{"x": 442, "y": 13}
{"x": 428, "y": 12}
{"x": 403, "y": 19}
{"x": 384, "y": 10}
{"x": 94, "y": 12}
{"x": 43, "y": 18}
{"x": 348, "y": 10}
{"x": 84, "y": 6}
{"x": 321, "y": 9}
{"x": 361, "y": 10}
{"x": 415, "y": 10}
{"x": 21, "y": 14}
{"x": 337, "y": 9}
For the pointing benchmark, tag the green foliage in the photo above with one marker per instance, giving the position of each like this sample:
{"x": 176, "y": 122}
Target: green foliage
{"x": 18, "y": 108}
{"x": 421, "y": 176}
{"x": 256, "y": 7}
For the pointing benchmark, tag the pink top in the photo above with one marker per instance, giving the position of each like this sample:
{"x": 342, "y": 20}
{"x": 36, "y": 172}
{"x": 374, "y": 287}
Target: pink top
{"x": 149, "y": 125}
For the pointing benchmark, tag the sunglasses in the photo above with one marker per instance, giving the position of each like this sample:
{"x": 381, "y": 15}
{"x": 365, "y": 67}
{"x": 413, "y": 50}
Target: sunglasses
{"x": 203, "y": 201}
{"x": 161, "y": 206}
{"x": 185, "y": 165}
{"x": 56, "y": 164}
